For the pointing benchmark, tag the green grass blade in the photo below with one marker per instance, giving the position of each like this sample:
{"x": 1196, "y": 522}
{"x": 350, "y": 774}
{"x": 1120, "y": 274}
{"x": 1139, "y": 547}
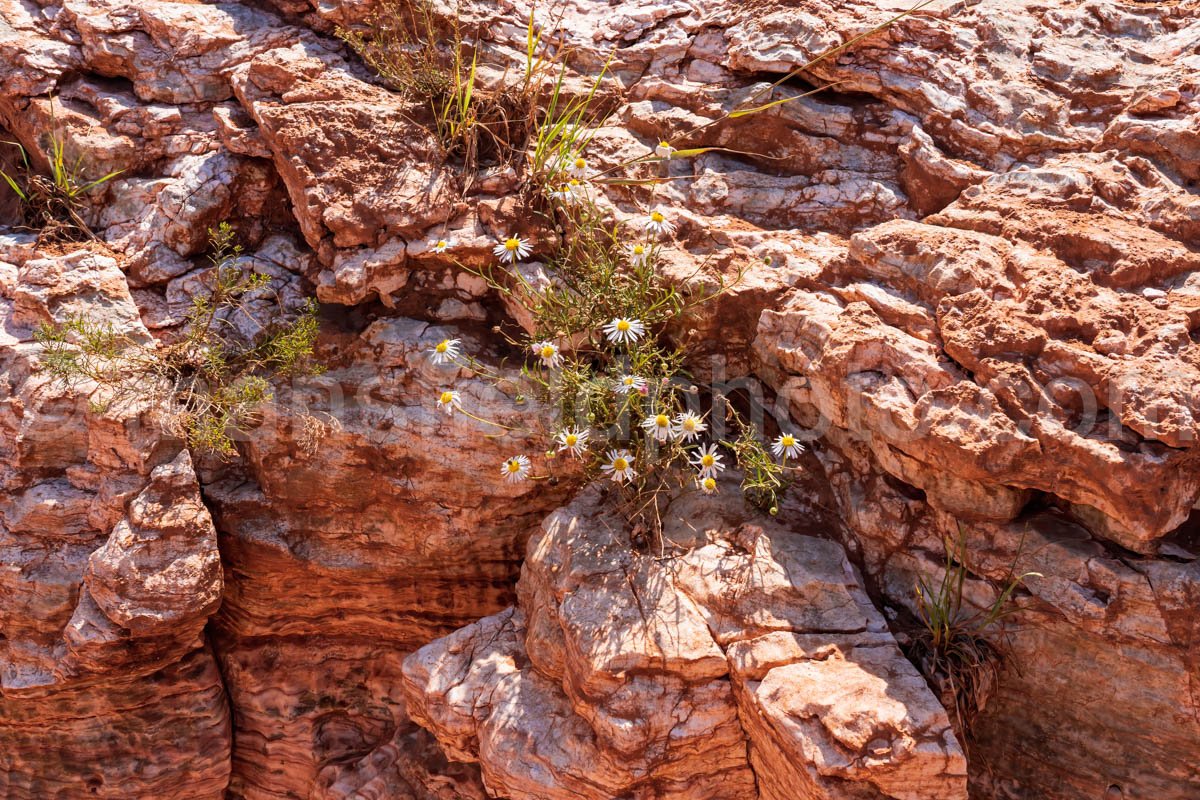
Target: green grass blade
{"x": 745, "y": 112}
{"x": 99, "y": 181}
{"x": 13, "y": 185}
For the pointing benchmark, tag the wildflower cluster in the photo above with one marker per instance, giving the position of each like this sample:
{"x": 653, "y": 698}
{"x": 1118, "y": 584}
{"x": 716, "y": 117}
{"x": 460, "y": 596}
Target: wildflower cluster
{"x": 596, "y": 350}
{"x": 596, "y": 347}
{"x": 627, "y": 412}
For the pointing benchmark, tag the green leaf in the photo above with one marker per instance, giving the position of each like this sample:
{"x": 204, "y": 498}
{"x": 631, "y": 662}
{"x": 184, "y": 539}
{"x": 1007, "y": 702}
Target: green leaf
{"x": 13, "y": 185}
{"x": 99, "y": 181}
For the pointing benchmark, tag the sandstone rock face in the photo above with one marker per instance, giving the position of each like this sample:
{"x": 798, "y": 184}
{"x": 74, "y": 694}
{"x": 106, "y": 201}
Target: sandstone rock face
{"x": 1024, "y": 361}
{"x": 1042, "y": 403}
{"x": 1093, "y": 611}
{"x": 110, "y": 567}
{"x": 308, "y": 111}
{"x": 750, "y": 664}
{"x": 969, "y": 266}
{"x": 345, "y": 555}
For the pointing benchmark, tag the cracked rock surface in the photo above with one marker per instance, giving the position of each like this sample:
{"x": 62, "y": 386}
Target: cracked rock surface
{"x": 750, "y": 661}
{"x": 971, "y": 269}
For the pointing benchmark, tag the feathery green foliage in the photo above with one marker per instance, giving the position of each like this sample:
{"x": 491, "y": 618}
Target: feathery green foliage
{"x": 210, "y": 381}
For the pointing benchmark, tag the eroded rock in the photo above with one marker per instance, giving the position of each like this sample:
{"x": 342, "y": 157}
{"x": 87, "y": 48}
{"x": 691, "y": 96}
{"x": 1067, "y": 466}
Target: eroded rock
{"x": 371, "y": 533}
{"x": 1021, "y": 362}
{"x": 747, "y": 663}
{"x": 110, "y": 565}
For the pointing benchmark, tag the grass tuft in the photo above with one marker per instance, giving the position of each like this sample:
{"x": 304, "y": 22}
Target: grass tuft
{"x": 52, "y": 204}
{"x": 958, "y": 646}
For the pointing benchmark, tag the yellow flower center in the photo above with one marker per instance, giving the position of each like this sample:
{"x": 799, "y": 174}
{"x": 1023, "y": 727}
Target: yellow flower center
{"x": 620, "y": 464}
{"x": 548, "y": 351}
{"x": 580, "y": 163}
{"x": 571, "y": 439}
{"x": 622, "y": 325}
{"x": 707, "y": 460}
{"x": 662, "y": 421}
{"x": 442, "y": 346}
{"x": 446, "y": 398}
{"x": 710, "y": 484}
{"x": 441, "y": 243}
{"x": 638, "y": 249}
{"x": 664, "y": 143}
{"x": 514, "y": 465}
{"x": 657, "y": 216}
{"x": 788, "y": 441}
{"x": 689, "y": 424}
{"x": 572, "y": 183}
{"x": 512, "y": 244}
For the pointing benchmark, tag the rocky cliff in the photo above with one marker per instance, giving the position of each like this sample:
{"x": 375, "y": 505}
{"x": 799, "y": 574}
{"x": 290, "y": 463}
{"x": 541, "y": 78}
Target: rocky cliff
{"x": 968, "y": 267}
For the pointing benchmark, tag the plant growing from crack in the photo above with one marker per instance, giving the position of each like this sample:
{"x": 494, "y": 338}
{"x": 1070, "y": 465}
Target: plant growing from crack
{"x": 956, "y": 646}
{"x": 52, "y": 204}
{"x": 426, "y": 54}
{"x": 212, "y": 380}
{"x": 627, "y": 409}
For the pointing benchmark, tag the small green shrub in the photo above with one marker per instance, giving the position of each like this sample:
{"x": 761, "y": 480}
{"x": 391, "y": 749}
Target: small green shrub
{"x": 210, "y": 381}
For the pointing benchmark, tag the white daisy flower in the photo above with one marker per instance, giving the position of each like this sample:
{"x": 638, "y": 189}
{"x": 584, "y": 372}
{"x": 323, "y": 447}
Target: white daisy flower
{"x": 441, "y": 245}
{"x": 707, "y": 483}
{"x": 573, "y": 441}
{"x": 573, "y": 191}
{"x": 444, "y": 351}
{"x": 787, "y": 444}
{"x": 548, "y": 353}
{"x": 664, "y": 149}
{"x": 707, "y": 461}
{"x": 630, "y": 383}
{"x": 448, "y": 401}
{"x": 657, "y": 223}
{"x": 515, "y": 469}
{"x": 688, "y": 426}
{"x": 578, "y": 167}
{"x": 624, "y": 331}
{"x": 619, "y": 466}
{"x": 659, "y": 425}
{"x": 512, "y": 249}
{"x": 638, "y": 253}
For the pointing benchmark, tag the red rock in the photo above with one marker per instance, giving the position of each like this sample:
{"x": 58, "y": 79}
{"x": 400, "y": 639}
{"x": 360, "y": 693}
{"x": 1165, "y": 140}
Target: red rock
{"x": 624, "y": 672}
{"x": 110, "y": 568}
{"x": 982, "y": 293}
